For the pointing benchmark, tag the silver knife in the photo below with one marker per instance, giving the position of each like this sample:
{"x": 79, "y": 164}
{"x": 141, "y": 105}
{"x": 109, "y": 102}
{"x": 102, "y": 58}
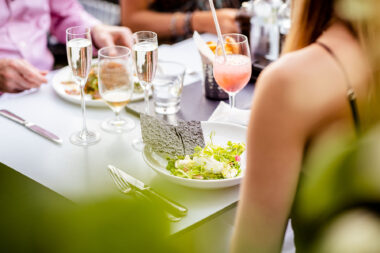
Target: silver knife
{"x": 167, "y": 204}
{"x": 31, "y": 126}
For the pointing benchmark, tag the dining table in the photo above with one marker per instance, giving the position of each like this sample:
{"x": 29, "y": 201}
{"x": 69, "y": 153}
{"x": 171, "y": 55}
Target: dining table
{"x": 74, "y": 171}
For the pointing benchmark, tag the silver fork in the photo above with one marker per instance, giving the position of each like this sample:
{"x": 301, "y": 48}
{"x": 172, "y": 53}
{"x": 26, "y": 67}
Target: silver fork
{"x": 125, "y": 188}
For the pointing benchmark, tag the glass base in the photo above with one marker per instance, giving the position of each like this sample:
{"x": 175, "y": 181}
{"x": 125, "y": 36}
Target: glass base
{"x": 120, "y": 125}
{"x": 84, "y": 138}
{"x": 138, "y": 144}
{"x": 166, "y": 109}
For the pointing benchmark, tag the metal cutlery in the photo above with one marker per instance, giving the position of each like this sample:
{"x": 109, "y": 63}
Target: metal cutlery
{"x": 169, "y": 216}
{"x": 126, "y": 183}
{"x": 125, "y": 188}
{"x": 122, "y": 186}
{"x": 31, "y": 126}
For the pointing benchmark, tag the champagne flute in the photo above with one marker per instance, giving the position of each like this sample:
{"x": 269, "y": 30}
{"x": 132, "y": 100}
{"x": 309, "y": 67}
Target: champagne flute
{"x": 145, "y": 54}
{"x": 116, "y": 85}
{"x": 79, "y": 55}
{"x": 233, "y": 70}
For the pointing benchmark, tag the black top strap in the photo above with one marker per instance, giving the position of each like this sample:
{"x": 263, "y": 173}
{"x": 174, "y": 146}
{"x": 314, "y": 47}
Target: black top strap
{"x": 350, "y": 91}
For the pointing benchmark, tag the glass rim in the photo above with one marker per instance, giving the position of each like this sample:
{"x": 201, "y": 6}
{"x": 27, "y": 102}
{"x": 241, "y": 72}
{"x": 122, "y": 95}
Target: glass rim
{"x": 172, "y": 62}
{"x": 245, "y": 39}
{"x": 128, "y": 53}
{"x": 86, "y": 28}
{"x": 154, "y": 37}
{"x": 183, "y": 66}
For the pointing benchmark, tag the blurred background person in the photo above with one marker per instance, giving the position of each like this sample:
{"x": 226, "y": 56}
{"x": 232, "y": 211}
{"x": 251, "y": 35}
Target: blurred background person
{"x": 316, "y": 91}
{"x": 24, "y": 27}
{"x": 177, "y": 19}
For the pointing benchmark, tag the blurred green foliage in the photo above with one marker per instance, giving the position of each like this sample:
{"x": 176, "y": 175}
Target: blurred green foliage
{"x": 339, "y": 178}
{"x": 353, "y": 231}
{"x": 35, "y": 219}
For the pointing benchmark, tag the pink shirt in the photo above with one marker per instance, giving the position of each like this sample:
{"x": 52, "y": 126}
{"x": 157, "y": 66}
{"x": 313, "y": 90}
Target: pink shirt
{"x": 24, "y": 25}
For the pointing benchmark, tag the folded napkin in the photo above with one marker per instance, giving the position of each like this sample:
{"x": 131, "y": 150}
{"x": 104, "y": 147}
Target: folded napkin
{"x": 204, "y": 50}
{"x": 223, "y": 113}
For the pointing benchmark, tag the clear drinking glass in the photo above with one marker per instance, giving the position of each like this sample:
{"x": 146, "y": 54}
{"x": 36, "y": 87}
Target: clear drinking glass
{"x": 145, "y": 55}
{"x": 167, "y": 87}
{"x": 116, "y": 85}
{"x": 233, "y": 70}
{"x": 79, "y": 56}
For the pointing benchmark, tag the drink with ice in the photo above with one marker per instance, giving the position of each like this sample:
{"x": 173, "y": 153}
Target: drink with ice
{"x": 232, "y": 64}
{"x": 233, "y": 74}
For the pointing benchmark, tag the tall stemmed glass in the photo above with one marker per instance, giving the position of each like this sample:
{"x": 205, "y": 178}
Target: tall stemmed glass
{"x": 233, "y": 70}
{"x": 145, "y": 55}
{"x": 116, "y": 85}
{"x": 79, "y": 55}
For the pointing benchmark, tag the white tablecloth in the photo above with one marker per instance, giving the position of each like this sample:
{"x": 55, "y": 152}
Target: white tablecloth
{"x": 72, "y": 171}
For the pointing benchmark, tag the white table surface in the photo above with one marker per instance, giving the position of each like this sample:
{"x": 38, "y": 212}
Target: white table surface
{"x": 72, "y": 171}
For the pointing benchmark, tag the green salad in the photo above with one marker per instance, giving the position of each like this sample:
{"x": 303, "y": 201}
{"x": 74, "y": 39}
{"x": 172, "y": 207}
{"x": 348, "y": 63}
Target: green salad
{"x": 211, "y": 162}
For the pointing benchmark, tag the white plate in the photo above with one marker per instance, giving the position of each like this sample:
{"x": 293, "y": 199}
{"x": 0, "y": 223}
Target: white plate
{"x": 64, "y": 74}
{"x": 224, "y": 132}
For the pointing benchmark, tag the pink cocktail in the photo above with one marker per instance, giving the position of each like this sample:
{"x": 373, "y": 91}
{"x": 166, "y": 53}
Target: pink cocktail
{"x": 232, "y": 64}
{"x": 234, "y": 73}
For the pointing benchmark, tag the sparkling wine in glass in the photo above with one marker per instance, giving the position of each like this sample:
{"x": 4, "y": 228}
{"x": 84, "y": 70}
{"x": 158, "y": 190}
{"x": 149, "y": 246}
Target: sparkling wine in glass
{"x": 79, "y": 55}
{"x": 233, "y": 70}
{"x": 116, "y": 85}
{"x": 145, "y": 55}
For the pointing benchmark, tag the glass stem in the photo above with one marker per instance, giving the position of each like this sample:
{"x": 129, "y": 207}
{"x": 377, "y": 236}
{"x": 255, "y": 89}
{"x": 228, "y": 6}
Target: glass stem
{"x": 117, "y": 120}
{"x": 83, "y": 107}
{"x": 146, "y": 98}
{"x": 232, "y": 101}
{"x": 117, "y": 115}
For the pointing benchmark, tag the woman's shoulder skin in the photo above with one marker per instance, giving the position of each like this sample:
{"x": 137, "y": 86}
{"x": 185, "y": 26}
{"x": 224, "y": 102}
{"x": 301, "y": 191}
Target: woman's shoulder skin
{"x": 297, "y": 99}
{"x": 310, "y": 84}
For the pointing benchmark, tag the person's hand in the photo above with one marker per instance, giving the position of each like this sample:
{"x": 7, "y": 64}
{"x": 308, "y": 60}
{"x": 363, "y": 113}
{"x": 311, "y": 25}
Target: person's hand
{"x": 203, "y": 21}
{"x": 17, "y": 75}
{"x": 105, "y": 35}
{"x": 227, "y": 20}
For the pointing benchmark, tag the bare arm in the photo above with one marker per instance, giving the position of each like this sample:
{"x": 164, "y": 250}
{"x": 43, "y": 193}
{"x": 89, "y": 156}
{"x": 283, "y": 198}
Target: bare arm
{"x": 276, "y": 138}
{"x": 136, "y": 15}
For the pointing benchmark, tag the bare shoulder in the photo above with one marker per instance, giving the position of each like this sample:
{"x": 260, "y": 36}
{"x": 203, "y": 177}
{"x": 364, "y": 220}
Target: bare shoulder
{"x": 296, "y": 77}
{"x": 295, "y": 70}
{"x": 303, "y": 85}
{"x": 315, "y": 81}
